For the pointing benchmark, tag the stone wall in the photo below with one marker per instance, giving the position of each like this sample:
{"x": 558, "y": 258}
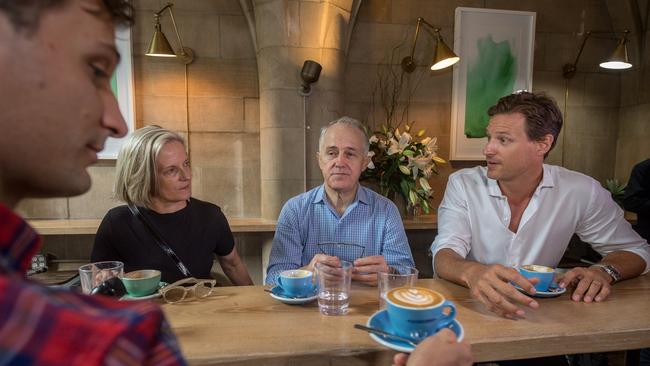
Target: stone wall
{"x": 223, "y": 109}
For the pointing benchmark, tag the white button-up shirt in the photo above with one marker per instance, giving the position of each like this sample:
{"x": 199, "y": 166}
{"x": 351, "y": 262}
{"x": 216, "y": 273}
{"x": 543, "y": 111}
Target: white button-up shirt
{"x": 474, "y": 215}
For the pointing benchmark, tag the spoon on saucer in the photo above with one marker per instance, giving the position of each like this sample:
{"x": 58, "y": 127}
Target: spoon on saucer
{"x": 385, "y": 334}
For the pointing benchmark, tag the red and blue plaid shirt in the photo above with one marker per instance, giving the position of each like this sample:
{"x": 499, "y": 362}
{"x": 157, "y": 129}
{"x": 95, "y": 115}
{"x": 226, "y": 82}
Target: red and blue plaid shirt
{"x": 45, "y": 326}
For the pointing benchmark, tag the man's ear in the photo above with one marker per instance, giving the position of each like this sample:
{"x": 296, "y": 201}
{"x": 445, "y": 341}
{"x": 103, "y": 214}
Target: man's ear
{"x": 366, "y": 161}
{"x": 544, "y": 145}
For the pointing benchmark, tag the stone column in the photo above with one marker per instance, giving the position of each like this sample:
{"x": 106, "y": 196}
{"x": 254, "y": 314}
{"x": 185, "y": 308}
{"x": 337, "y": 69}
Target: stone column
{"x": 286, "y": 33}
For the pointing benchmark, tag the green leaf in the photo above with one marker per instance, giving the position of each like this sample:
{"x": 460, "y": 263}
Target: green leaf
{"x": 408, "y": 153}
{"x": 425, "y": 206}
{"x": 404, "y": 186}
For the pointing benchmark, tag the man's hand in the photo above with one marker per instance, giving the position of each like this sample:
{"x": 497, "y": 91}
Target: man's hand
{"x": 366, "y": 268}
{"x": 591, "y": 284}
{"x": 441, "y": 349}
{"x": 492, "y": 286}
{"x": 322, "y": 258}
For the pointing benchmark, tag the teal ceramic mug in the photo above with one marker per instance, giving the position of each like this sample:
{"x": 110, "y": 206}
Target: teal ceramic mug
{"x": 141, "y": 283}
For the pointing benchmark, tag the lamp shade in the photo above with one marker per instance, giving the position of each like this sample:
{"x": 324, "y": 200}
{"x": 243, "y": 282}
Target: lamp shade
{"x": 618, "y": 60}
{"x": 159, "y": 45}
{"x": 444, "y": 56}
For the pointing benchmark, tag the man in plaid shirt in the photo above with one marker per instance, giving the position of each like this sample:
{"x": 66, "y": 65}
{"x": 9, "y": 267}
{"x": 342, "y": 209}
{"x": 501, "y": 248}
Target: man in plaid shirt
{"x": 56, "y": 111}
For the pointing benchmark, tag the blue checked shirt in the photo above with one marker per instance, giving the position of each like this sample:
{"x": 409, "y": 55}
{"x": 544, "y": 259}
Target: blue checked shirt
{"x": 308, "y": 219}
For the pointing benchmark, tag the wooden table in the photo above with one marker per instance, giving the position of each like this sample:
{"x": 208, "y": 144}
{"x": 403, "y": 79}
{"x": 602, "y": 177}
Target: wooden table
{"x": 245, "y": 326}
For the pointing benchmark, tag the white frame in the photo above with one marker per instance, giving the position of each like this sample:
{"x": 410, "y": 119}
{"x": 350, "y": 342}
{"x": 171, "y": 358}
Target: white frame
{"x": 518, "y": 28}
{"x": 124, "y": 75}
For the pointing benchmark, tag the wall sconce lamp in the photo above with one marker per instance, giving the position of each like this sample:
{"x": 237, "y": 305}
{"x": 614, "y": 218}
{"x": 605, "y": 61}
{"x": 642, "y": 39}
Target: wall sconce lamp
{"x": 160, "y": 47}
{"x": 309, "y": 74}
{"x": 617, "y": 61}
{"x": 443, "y": 56}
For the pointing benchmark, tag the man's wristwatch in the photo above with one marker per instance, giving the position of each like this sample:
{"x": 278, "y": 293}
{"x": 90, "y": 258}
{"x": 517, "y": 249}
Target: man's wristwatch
{"x": 610, "y": 270}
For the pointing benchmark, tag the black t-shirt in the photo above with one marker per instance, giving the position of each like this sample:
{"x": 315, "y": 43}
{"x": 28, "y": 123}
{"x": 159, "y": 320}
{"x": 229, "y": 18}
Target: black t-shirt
{"x": 195, "y": 233}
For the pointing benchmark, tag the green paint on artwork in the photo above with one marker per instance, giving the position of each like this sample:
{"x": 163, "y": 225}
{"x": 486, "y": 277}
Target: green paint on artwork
{"x": 491, "y": 76}
{"x": 114, "y": 84}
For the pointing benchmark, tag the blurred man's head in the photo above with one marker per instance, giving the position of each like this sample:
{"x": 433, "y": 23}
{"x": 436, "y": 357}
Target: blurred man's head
{"x": 343, "y": 154}
{"x": 56, "y": 103}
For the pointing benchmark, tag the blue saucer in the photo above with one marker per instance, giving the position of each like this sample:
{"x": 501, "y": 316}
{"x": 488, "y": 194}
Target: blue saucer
{"x": 552, "y": 292}
{"x": 278, "y": 293}
{"x": 380, "y": 321}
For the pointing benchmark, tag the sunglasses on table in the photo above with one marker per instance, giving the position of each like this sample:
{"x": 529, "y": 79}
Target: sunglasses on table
{"x": 177, "y": 291}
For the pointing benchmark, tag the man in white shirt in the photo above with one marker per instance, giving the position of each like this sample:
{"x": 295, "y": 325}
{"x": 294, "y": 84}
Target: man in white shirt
{"x": 519, "y": 211}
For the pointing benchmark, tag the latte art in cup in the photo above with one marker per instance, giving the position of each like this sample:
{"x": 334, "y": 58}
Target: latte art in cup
{"x": 413, "y": 297}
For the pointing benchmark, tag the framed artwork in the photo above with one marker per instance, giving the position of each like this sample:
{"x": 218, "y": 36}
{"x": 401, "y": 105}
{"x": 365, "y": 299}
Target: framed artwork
{"x": 122, "y": 85}
{"x": 496, "y": 59}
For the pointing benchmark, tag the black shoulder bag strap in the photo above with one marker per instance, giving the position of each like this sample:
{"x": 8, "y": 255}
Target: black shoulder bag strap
{"x": 160, "y": 241}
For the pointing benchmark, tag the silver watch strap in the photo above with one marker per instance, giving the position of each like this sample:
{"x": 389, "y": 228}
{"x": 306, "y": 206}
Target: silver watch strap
{"x": 610, "y": 270}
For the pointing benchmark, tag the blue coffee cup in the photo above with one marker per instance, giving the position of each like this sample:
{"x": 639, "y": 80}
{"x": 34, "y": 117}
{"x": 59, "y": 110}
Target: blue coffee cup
{"x": 543, "y": 273}
{"x": 418, "y": 312}
{"x": 296, "y": 282}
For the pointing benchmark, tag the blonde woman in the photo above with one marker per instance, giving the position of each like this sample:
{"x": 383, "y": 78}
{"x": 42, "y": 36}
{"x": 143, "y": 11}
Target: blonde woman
{"x": 161, "y": 226}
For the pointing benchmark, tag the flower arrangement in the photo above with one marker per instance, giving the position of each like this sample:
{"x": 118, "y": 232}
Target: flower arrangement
{"x": 402, "y": 164}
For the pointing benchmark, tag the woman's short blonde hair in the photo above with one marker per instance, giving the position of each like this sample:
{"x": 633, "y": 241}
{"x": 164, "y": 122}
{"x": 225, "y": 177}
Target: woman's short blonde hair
{"x": 135, "y": 181}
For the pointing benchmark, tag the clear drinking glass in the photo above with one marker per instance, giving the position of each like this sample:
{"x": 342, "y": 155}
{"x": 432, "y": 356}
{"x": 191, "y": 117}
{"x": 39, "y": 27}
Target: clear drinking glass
{"x": 334, "y": 288}
{"x": 93, "y": 274}
{"x": 397, "y": 276}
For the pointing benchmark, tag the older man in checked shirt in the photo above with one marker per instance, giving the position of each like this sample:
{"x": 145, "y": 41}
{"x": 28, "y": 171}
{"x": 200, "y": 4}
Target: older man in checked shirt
{"x": 340, "y": 211}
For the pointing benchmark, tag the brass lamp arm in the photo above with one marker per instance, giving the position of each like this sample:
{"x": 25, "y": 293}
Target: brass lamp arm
{"x": 186, "y": 54}
{"x": 569, "y": 70}
{"x": 417, "y": 32}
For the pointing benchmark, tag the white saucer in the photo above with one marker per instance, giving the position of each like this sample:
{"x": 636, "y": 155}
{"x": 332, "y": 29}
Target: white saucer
{"x": 128, "y": 297}
{"x": 276, "y": 293}
{"x": 155, "y": 295}
{"x": 380, "y": 321}
{"x": 552, "y": 292}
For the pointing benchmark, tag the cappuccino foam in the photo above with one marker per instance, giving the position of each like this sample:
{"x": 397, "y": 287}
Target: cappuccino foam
{"x": 296, "y": 273}
{"x": 537, "y": 268}
{"x": 414, "y": 297}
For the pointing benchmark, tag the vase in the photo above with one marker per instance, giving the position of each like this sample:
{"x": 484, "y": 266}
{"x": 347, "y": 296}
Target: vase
{"x": 406, "y": 211}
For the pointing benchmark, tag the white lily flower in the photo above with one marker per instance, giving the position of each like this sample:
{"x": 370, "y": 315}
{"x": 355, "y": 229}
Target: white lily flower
{"x": 432, "y": 144}
{"x": 373, "y": 139}
{"x": 404, "y": 140}
{"x": 421, "y": 162}
{"x": 393, "y": 147}
{"x": 371, "y": 165}
{"x": 425, "y": 141}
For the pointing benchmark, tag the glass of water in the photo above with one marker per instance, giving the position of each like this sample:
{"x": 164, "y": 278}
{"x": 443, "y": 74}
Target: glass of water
{"x": 334, "y": 288}
{"x": 93, "y": 274}
{"x": 397, "y": 276}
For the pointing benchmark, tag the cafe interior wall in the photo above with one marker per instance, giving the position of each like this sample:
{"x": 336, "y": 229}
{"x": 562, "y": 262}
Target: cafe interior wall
{"x": 633, "y": 143}
{"x": 224, "y": 99}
